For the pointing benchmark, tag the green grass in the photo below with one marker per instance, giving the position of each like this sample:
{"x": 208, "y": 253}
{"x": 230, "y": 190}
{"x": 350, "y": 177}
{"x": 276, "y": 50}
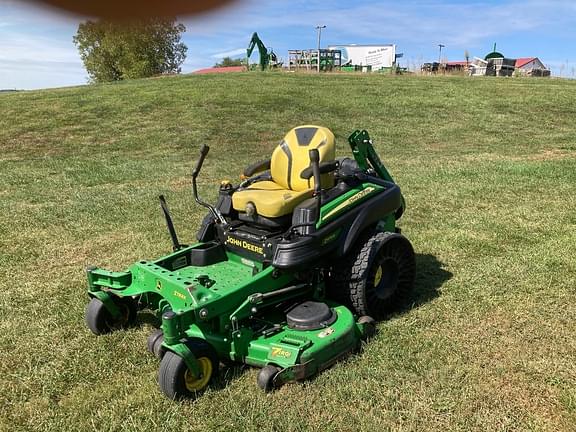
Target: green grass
{"x": 488, "y": 168}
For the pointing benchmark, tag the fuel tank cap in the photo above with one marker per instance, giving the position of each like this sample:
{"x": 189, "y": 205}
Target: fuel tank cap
{"x": 310, "y": 315}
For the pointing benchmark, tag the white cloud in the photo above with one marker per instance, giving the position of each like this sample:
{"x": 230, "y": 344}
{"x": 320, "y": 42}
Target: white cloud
{"x": 194, "y": 63}
{"x": 37, "y": 49}
{"x": 28, "y": 62}
{"x": 29, "y": 76}
{"x": 231, "y": 53}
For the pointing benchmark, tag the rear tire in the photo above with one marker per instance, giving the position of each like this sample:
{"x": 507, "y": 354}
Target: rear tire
{"x": 375, "y": 275}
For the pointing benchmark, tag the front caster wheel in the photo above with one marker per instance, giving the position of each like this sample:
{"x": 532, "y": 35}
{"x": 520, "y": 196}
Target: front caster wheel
{"x": 154, "y": 343}
{"x": 100, "y": 321}
{"x": 368, "y": 327}
{"x": 266, "y": 377}
{"x": 177, "y": 381}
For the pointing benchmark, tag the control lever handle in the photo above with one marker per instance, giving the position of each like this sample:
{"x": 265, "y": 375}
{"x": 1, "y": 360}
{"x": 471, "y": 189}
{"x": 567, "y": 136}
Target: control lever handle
{"x": 203, "y": 153}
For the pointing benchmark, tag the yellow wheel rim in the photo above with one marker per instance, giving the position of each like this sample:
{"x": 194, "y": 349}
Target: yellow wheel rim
{"x": 198, "y": 383}
{"x": 378, "y": 276}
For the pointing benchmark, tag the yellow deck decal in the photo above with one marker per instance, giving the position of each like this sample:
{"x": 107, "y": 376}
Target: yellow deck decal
{"x": 179, "y": 295}
{"x": 279, "y": 352}
{"x": 350, "y": 201}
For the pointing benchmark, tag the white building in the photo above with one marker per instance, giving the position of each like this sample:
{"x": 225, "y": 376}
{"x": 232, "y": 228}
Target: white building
{"x": 531, "y": 66}
{"x": 376, "y": 56}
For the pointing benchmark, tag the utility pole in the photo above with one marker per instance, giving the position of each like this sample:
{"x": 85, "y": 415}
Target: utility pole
{"x": 440, "y": 54}
{"x": 319, "y": 28}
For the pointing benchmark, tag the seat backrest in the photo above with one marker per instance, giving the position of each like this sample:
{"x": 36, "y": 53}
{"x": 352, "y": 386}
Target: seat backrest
{"x": 291, "y": 157}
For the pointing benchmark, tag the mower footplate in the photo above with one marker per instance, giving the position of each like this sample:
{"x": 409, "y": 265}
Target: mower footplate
{"x": 300, "y": 354}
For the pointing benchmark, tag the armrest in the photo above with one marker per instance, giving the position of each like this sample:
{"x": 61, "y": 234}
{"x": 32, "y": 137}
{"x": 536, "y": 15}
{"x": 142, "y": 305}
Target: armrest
{"x": 257, "y": 167}
{"x": 325, "y": 167}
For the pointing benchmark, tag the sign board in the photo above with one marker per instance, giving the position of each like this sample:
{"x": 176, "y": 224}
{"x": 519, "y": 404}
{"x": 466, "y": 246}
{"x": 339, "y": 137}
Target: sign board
{"x": 377, "y": 56}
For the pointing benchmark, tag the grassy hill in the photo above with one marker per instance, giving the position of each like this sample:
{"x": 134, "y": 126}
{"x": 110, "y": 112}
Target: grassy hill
{"x": 488, "y": 168}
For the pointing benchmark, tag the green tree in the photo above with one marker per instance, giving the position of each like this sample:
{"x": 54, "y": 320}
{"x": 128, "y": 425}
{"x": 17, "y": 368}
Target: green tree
{"x": 113, "y": 51}
{"x": 229, "y": 61}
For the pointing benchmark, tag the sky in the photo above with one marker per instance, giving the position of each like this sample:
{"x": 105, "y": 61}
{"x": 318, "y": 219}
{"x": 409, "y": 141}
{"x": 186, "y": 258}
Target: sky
{"x": 36, "y": 48}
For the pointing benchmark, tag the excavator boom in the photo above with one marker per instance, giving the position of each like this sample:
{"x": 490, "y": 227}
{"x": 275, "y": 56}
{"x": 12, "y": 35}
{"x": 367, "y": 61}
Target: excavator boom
{"x": 265, "y": 58}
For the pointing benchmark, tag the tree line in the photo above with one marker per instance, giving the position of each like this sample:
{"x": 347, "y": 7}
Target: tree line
{"x": 114, "y": 51}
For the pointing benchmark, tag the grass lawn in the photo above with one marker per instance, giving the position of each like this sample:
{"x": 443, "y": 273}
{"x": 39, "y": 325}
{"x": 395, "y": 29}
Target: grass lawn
{"x": 488, "y": 169}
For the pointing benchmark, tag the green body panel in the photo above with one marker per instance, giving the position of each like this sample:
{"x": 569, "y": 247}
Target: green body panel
{"x": 302, "y": 353}
{"x": 290, "y": 347}
{"x": 218, "y": 309}
{"x": 187, "y": 286}
{"x": 204, "y": 299}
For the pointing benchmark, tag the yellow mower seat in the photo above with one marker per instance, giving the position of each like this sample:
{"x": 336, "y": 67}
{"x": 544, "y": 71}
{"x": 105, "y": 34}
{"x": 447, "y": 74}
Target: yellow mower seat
{"x": 287, "y": 189}
{"x": 269, "y": 198}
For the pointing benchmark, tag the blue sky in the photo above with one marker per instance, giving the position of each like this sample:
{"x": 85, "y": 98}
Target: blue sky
{"x": 36, "y": 48}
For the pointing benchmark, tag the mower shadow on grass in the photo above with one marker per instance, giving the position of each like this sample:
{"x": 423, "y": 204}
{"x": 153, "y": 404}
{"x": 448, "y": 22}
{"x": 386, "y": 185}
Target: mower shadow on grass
{"x": 430, "y": 276}
{"x": 229, "y": 373}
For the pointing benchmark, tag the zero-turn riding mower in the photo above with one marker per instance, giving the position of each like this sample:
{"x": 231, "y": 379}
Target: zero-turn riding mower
{"x": 291, "y": 269}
